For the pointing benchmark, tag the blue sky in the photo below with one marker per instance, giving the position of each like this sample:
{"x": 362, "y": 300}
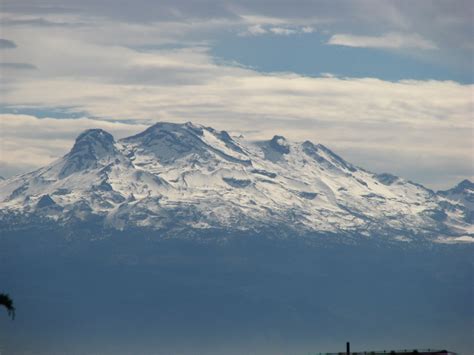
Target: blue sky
{"x": 388, "y": 85}
{"x": 309, "y": 54}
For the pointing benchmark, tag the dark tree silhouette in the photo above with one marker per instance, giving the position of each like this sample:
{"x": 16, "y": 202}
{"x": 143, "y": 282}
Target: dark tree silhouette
{"x": 7, "y": 302}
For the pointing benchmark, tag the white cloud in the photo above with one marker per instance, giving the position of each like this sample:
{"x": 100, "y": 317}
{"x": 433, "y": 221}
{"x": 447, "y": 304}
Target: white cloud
{"x": 255, "y": 30}
{"x": 387, "y": 41}
{"x": 260, "y": 29}
{"x": 467, "y": 239}
{"x": 283, "y": 31}
{"x": 263, "y": 25}
{"x": 327, "y": 75}
{"x": 406, "y": 127}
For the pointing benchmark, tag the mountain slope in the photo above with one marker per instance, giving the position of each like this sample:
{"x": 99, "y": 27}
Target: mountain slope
{"x": 188, "y": 177}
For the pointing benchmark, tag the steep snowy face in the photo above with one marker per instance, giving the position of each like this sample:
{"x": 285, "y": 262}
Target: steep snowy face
{"x": 78, "y": 183}
{"x": 458, "y": 202}
{"x": 187, "y": 176}
{"x": 326, "y": 158}
{"x": 91, "y": 147}
{"x": 279, "y": 144}
{"x": 168, "y": 142}
{"x": 194, "y": 160}
{"x": 464, "y": 191}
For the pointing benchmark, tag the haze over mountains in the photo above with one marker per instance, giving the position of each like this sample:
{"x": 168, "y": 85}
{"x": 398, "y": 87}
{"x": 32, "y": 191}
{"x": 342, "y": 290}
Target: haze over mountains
{"x": 182, "y": 178}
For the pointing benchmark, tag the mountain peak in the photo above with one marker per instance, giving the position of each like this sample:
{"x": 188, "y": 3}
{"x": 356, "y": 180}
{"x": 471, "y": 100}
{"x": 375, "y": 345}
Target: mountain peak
{"x": 96, "y": 141}
{"x": 465, "y": 184}
{"x": 195, "y": 128}
{"x": 95, "y": 134}
{"x": 91, "y": 146}
{"x": 161, "y": 129}
{"x": 93, "y": 142}
{"x": 463, "y": 187}
{"x": 169, "y": 141}
{"x": 280, "y": 144}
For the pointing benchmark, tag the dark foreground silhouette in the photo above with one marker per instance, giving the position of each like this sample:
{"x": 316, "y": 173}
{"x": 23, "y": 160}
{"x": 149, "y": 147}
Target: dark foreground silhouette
{"x": 7, "y": 302}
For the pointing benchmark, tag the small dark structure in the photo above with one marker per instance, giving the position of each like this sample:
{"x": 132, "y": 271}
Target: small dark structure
{"x": 393, "y": 352}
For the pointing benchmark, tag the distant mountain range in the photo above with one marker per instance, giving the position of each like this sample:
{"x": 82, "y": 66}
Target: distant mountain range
{"x": 179, "y": 179}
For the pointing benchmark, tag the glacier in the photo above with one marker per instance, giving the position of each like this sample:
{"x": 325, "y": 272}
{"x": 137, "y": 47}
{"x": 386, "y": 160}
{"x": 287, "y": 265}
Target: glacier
{"x": 181, "y": 178}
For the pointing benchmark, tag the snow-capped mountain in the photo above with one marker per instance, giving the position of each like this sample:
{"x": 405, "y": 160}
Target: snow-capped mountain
{"x": 190, "y": 177}
{"x": 462, "y": 193}
{"x": 458, "y": 202}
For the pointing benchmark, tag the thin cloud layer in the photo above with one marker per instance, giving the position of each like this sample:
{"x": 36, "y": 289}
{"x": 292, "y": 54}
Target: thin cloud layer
{"x": 447, "y": 23}
{"x": 18, "y": 66}
{"x": 387, "y": 41}
{"x": 259, "y": 30}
